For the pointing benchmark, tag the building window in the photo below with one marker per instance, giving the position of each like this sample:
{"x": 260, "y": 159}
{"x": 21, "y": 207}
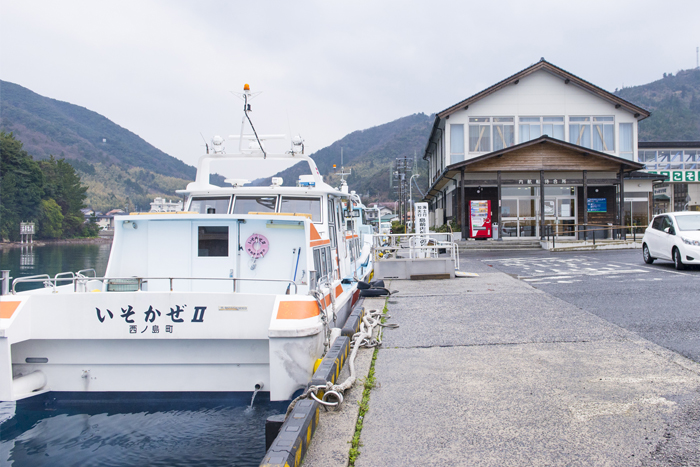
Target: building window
{"x": 479, "y": 134}
{"x": 503, "y": 133}
{"x": 456, "y": 143}
{"x": 534, "y": 127}
{"x": 592, "y": 132}
{"x": 626, "y": 141}
{"x": 648, "y": 158}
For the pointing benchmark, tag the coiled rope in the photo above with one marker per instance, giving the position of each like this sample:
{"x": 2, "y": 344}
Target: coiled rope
{"x": 333, "y": 393}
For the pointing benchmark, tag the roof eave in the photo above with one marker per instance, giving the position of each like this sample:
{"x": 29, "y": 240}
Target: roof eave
{"x": 568, "y": 78}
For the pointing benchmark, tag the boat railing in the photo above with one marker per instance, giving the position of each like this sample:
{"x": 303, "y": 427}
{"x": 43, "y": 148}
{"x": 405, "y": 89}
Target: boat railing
{"x": 127, "y": 284}
{"x": 415, "y": 246}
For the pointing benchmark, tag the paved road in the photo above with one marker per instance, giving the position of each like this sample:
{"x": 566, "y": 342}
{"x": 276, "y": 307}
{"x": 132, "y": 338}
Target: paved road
{"x": 655, "y": 301}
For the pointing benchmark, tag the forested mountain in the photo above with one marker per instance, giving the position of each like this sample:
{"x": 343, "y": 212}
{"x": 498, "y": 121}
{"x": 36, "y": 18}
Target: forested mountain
{"x": 47, "y": 192}
{"x": 113, "y": 162}
{"x": 674, "y": 102}
{"x": 369, "y": 155}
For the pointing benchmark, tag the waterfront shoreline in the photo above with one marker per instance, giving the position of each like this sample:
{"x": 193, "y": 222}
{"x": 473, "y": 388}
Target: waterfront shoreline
{"x": 65, "y": 241}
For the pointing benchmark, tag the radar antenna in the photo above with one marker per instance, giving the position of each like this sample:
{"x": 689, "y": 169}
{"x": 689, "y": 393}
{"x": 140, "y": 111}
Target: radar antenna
{"x": 246, "y": 96}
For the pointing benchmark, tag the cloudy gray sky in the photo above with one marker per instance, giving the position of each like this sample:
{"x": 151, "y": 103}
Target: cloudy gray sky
{"x": 165, "y": 69}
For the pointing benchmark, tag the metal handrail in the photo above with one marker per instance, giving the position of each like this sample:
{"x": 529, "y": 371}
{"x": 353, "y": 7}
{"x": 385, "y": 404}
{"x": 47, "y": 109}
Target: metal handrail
{"x": 393, "y": 243}
{"x": 599, "y": 228}
{"x": 139, "y": 280}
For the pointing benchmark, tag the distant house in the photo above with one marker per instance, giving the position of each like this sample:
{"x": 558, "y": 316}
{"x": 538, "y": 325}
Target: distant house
{"x": 371, "y": 213}
{"x": 160, "y": 205}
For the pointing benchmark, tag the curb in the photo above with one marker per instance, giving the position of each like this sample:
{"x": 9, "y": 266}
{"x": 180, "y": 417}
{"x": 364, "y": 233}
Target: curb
{"x": 290, "y": 445}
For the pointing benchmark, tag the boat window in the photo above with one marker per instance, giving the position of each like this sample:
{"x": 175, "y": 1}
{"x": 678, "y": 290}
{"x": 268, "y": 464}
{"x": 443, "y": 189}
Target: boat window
{"x": 331, "y": 225}
{"x": 302, "y": 205}
{"x": 210, "y": 205}
{"x": 247, "y": 204}
{"x": 324, "y": 261}
{"x": 213, "y": 241}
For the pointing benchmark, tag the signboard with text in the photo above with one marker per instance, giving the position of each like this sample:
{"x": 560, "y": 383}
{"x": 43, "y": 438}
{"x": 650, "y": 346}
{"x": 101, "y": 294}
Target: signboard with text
{"x": 597, "y": 205}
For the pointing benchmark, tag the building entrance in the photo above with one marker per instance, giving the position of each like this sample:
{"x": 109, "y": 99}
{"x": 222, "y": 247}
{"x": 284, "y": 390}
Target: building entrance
{"x": 520, "y": 211}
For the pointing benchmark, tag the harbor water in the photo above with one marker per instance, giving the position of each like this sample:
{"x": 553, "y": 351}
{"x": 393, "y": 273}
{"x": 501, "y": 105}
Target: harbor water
{"x": 85, "y": 429}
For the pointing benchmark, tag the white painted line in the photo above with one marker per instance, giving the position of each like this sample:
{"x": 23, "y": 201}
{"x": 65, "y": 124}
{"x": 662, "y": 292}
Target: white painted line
{"x": 660, "y": 270}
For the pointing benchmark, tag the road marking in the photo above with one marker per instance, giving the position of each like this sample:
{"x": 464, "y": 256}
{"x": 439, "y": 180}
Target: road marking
{"x": 662, "y": 270}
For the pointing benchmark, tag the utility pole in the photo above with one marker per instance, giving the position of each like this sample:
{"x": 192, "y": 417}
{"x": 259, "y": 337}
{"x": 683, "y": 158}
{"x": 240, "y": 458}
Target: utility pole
{"x": 402, "y": 165}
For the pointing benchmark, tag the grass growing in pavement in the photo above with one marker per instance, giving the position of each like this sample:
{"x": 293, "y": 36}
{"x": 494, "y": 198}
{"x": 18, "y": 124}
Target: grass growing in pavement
{"x": 370, "y": 383}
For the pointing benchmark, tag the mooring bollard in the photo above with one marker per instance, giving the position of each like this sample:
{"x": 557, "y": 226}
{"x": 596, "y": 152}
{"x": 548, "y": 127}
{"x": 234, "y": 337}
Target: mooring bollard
{"x": 5, "y": 282}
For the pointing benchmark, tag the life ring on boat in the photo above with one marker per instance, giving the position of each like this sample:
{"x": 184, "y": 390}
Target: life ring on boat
{"x": 257, "y": 246}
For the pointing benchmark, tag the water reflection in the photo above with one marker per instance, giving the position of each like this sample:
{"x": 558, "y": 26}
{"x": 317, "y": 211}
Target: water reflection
{"x": 30, "y": 260}
{"x": 137, "y": 429}
{"x": 27, "y": 257}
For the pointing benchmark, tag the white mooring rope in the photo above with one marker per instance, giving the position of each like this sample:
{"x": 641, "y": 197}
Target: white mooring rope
{"x": 333, "y": 393}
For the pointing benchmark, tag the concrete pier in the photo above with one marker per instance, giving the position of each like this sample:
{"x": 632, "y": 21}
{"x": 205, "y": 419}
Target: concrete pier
{"x": 489, "y": 371}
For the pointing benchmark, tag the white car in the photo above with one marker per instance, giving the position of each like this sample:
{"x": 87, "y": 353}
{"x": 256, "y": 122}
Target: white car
{"x": 674, "y": 236}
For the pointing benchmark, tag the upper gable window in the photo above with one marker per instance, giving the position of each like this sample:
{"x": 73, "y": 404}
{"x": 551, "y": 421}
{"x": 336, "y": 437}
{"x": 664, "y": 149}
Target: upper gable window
{"x": 503, "y": 132}
{"x": 479, "y": 134}
{"x": 456, "y": 143}
{"x": 534, "y": 127}
{"x": 593, "y": 132}
{"x": 626, "y": 141}
{"x": 484, "y": 130}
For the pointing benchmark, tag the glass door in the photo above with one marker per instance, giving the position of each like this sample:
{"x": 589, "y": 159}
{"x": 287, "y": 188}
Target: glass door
{"x": 560, "y": 211}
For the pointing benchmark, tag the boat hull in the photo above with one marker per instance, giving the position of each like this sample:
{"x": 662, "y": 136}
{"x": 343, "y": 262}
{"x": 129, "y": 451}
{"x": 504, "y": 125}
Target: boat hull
{"x": 162, "y": 342}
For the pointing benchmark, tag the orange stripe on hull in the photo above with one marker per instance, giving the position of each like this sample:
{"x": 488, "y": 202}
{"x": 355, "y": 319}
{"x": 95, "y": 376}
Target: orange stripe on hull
{"x": 297, "y": 310}
{"x": 338, "y": 290}
{"x": 319, "y": 242}
{"x": 7, "y": 309}
{"x": 355, "y": 297}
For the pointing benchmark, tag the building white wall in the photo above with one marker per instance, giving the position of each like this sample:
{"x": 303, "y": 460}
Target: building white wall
{"x": 539, "y": 94}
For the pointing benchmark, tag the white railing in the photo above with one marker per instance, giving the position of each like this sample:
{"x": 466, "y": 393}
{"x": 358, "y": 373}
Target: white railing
{"x": 126, "y": 284}
{"x": 415, "y": 246}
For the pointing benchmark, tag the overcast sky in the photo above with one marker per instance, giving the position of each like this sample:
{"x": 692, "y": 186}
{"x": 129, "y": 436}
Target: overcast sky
{"x": 165, "y": 69}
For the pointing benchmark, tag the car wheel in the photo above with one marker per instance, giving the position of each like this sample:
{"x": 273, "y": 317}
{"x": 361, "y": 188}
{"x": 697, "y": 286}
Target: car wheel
{"x": 677, "y": 259}
{"x": 647, "y": 256}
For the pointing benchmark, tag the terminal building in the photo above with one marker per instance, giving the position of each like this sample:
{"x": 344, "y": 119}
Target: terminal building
{"x": 679, "y": 163}
{"x": 557, "y": 155}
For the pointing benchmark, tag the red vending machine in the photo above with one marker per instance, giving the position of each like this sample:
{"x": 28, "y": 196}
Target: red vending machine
{"x": 479, "y": 219}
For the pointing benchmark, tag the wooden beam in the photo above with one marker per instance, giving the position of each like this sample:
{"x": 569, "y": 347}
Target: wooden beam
{"x": 500, "y": 224}
{"x": 541, "y": 204}
{"x": 462, "y": 209}
{"x": 535, "y": 181}
{"x": 623, "y": 233}
{"x": 585, "y": 204}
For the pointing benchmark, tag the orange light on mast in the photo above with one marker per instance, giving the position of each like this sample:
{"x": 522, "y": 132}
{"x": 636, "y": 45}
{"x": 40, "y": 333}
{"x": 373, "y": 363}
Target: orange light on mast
{"x": 246, "y": 87}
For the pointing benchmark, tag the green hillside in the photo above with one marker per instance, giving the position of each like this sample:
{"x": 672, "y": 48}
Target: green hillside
{"x": 674, "y": 102}
{"x": 368, "y": 155}
{"x": 113, "y": 162}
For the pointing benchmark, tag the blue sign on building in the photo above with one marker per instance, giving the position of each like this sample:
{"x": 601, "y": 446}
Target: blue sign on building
{"x": 597, "y": 205}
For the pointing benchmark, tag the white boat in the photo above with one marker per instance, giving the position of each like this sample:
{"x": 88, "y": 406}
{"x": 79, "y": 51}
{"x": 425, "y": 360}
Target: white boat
{"x": 237, "y": 293}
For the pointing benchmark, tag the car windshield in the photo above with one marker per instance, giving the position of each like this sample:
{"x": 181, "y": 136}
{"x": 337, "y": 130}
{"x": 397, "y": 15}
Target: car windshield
{"x": 690, "y": 222}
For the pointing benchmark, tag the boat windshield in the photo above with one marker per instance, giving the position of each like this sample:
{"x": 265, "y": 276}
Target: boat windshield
{"x": 246, "y": 204}
{"x": 302, "y": 206}
{"x": 690, "y": 222}
{"x": 210, "y": 205}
